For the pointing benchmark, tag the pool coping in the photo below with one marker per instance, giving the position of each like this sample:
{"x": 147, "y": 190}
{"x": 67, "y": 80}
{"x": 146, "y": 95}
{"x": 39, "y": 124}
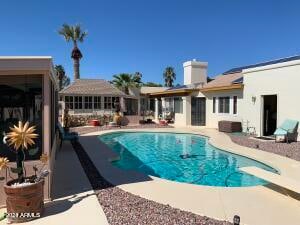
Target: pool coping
{"x": 159, "y": 190}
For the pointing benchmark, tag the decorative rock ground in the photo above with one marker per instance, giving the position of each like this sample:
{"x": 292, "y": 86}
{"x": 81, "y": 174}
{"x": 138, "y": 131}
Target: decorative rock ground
{"x": 291, "y": 150}
{"x": 123, "y": 208}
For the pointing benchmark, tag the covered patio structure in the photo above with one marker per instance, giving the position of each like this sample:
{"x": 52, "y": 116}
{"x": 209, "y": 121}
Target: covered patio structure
{"x": 28, "y": 92}
{"x": 174, "y": 104}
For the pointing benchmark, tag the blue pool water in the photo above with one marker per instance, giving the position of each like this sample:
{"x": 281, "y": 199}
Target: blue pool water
{"x": 163, "y": 155}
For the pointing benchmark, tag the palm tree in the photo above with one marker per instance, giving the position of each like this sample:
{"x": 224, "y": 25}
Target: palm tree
{"x": 60, "y": 74}
{"x": 74, "y": 34}
{"x": 137, "y": 77}
{"x": 63, "y": 79}
{"x": 124, "y": 81}
{"x": 169, "y": 76}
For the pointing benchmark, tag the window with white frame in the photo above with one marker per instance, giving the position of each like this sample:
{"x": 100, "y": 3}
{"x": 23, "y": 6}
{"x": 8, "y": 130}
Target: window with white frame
{"x": 97, "y": 102}
{"x": 224, "y": 103}
{"x": 69, "y": 101}
{"x": 178, "y": 105}
{"x": 107, "y": 103}
{"x": 214, "y": 104}
{"x": 234, "y": 104}
{"x": 88, "y": 102}
{"x": 78, "y": 102}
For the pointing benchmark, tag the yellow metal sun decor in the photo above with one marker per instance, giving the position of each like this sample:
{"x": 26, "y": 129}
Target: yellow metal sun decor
{"x": 21, "y": 136}
{"x": 3, "y": 163}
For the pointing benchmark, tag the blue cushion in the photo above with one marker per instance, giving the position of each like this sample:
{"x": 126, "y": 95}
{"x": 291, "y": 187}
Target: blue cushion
{"x": 289, "y": 125}
{"x": 280, "y": 131}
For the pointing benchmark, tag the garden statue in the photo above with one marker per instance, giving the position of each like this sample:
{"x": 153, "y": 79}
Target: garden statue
{"x": 117, "y": 116}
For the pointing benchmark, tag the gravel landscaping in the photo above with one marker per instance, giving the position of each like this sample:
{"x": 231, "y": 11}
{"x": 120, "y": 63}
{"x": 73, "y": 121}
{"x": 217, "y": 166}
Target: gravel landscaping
{"x": 123, "y": 208}
{"x": 290, "y": 150}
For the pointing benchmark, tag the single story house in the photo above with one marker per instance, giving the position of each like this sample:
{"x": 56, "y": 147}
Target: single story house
{"x": 28, "y": 92}
{"x": 96, "y": 97}
{"x": 260, "y": 96}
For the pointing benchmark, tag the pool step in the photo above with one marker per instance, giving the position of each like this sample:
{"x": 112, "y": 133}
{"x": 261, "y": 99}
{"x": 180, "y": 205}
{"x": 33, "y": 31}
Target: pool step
{"x": 285, "y": 182}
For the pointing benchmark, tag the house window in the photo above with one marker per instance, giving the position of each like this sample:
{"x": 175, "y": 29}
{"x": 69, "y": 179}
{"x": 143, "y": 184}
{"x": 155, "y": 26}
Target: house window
{"x": 107, "y": 103}
{"x": 234, "y": 104}
{"x": 178, "y": 105}
{"x": 224, "y": 104}
{"x": 88, "y": 102}
{"x": 214, "y": 104}
{"x": 78, "y": 102}
{"x": 69, "y": 100}
{"x": 97, "y": 102}
{"x": 115, "y": 99}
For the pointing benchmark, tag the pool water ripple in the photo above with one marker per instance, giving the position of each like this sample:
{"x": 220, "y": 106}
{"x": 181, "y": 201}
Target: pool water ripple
{"x": 164, "y": 155}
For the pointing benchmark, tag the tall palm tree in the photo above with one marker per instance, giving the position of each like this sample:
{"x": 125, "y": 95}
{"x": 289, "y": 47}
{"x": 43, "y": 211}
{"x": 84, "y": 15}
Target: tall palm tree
{"x": 124, "y": 81}
{"x": 75, "y": 34}
{"x": 169, "y": 76}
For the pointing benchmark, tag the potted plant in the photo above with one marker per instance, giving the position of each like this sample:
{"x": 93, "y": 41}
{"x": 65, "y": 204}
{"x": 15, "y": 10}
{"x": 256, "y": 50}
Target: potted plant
{"x": 24, "y": 195}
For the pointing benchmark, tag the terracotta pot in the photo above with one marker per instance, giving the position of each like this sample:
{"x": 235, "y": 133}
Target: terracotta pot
{"x": 94, "y": 123}
{"x": 24, "y": 200}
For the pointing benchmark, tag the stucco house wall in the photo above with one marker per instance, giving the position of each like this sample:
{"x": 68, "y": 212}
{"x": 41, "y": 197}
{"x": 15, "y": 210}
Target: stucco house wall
{"x": 279, "y": 79}
{"x": 184, "y": 118}
{"x": 212, "y": 118}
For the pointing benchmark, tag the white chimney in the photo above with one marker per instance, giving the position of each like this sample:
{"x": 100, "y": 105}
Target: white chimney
{"x": 195, "y": 72}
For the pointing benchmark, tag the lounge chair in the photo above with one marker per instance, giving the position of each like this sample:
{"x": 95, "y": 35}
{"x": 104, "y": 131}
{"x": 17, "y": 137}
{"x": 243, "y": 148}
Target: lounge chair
{"x": 66, "y": 136}
{"x": 289, "y": 130}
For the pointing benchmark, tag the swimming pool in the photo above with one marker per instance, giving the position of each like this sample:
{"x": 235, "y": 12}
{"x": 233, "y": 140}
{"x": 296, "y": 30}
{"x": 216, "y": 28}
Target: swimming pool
{"x": 181, "y": 157}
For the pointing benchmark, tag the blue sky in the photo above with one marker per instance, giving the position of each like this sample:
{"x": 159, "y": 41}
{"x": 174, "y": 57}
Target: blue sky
{"x": 148, "y": 35}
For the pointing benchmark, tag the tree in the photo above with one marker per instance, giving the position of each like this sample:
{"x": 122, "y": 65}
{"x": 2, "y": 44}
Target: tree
{"x": 63, "y": 79}
{"x": 66, "y": 82}
{"x": 169, "y": 76}
{"x": 152, "y": 84}
{"x": 75, "y": 34}
{"x": 124, "y": 81}
{"x": 137, "y": 77}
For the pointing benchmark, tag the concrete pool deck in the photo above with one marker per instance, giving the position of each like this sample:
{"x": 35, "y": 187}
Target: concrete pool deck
{"x": 74, "y": 200}
{"x": 255, "y": 205}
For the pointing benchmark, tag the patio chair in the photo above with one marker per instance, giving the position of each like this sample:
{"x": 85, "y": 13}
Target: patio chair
{"x": 289, "y": 130}
{"x": 66, "y": 136}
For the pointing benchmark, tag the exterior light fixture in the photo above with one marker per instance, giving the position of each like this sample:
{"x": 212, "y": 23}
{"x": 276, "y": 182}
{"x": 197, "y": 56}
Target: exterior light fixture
{"x": 236, "y": 220}
{"x": 253, "y": 99}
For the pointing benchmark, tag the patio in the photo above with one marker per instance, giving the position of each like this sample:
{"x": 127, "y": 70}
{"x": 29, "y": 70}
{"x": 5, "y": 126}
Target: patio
{"x": 89, "y": 188}
{"x": 74, "y": 199}
{"x": 279, "y": 205}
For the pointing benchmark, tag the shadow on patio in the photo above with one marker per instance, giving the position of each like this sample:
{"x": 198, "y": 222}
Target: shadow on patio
{"x": 90, "y": 147}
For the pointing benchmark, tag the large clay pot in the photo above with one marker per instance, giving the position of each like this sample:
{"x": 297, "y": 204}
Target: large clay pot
{"x": 24, "y": 200}
{"x": 117, "y": 118}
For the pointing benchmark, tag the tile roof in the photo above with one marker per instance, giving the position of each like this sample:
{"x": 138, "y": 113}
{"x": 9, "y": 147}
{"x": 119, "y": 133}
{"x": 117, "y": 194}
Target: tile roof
{"x": 149, "y": 90}
{"x": 227, "y": 80}
{"x": 281, "y": 60}
{"x": 91, "y": 87}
